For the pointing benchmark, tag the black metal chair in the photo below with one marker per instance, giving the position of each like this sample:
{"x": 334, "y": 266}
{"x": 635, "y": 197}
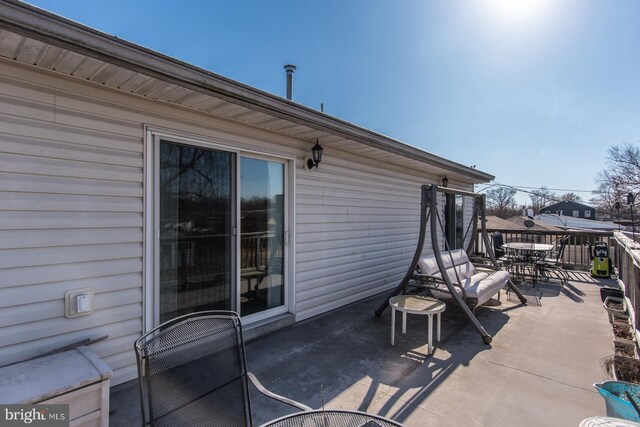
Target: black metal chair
{"x": 192, "y": 372}
{"x": 498, "y": 244}
{"x": 554, "y": 267}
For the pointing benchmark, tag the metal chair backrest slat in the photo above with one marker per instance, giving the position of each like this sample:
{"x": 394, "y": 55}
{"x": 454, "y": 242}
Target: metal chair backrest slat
{"x": 563, "y": 245}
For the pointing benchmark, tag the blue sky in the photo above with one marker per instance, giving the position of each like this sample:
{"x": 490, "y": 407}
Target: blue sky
{"x": 531, "y": 91}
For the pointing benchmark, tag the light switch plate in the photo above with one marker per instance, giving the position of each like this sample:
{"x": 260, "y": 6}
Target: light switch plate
{"x": 78, "y": 302}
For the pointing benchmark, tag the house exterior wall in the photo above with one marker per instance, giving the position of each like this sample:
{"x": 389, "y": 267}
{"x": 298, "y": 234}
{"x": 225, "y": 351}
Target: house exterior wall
{"x": 72, "y": 214}
{"x": 568, "y": 209}
{"x": 356, "y": 231}
{"x": 71, "y": 217}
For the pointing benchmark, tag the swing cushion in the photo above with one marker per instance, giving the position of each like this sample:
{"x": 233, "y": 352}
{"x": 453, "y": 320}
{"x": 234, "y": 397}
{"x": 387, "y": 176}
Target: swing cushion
{"x": 477, "y": 286}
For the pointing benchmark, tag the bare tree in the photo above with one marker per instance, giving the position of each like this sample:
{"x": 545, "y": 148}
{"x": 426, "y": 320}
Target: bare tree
{"x": 624, "y": 166}
{"x": 620, "y": 177}
{"x": 571, "y": 197}
{"x": 541, "y": 198}
{"x": 501, "y": 202}
{"x": 605, "y": 198}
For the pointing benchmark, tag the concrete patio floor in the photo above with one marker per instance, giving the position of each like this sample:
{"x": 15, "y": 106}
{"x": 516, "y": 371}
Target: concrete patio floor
{"x": 538, "y": 371}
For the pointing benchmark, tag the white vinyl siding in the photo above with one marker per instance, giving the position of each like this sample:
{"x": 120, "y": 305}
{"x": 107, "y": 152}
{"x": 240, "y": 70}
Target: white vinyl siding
{"x": 357, "y": 231}
{"x": 72, "y": 213}
{"x": 70, "y": 218}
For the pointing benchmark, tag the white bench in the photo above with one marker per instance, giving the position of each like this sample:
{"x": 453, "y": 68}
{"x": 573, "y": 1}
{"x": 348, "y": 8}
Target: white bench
{"x": 475, "y": 287}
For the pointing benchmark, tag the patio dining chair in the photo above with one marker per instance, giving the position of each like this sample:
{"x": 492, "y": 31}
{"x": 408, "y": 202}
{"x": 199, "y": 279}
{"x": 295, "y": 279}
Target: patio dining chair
{"x": 498, "y": 244}
{"x": 554, "y": 267}
{"x": 192, "y": 372}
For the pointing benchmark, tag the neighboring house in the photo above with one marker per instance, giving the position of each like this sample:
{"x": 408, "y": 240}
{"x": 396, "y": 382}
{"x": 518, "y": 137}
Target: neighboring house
{"x": 572, "y": 209}
{"x": 163, "y": 188}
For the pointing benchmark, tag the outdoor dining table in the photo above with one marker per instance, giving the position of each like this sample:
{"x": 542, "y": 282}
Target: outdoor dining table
{"x": 525, "y": 255}
{"x": 331, "y": 418}
{"x": 528, "y": 247}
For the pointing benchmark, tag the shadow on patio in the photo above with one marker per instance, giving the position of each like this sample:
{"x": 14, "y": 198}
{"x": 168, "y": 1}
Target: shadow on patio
{"x": 538, "y": 371}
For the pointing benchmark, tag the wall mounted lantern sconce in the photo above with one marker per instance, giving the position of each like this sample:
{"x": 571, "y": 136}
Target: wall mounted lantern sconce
{"x": 313, "y": 162}
{"x": 445, "y": 181}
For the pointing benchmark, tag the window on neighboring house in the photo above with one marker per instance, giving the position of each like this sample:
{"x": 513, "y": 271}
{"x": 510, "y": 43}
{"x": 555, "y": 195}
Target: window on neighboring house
{"x": 559, "y": 213}
{"x": 576, "y": 213}
{"x": 547, "y": 212}
{"x": 587, "y": 214}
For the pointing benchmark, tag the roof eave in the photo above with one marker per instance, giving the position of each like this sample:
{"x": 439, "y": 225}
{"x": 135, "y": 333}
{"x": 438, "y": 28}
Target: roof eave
{"x": 36, "y": 23}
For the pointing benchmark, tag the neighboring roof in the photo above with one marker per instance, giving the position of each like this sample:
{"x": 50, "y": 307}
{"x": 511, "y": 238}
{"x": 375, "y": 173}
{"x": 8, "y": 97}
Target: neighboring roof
{"x": 497, "y": 223}
{"x": 569, "y": 222}
{"x": 538, "y": 226}
{"x": 577, "y": 204}
{"x": 516, "y": 223}
{"x": 33, "y": 36}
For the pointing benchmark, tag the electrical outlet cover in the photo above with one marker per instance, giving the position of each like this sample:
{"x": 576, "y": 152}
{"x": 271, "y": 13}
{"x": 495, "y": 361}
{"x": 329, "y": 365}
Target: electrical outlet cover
{"x": 78, "y": 302}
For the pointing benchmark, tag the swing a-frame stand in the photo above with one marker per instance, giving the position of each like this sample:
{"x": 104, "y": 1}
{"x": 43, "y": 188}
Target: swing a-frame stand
{"x": 429, "y": 214}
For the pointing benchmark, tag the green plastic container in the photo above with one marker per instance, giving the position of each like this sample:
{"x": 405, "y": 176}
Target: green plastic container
{"x": 616, "y": 406}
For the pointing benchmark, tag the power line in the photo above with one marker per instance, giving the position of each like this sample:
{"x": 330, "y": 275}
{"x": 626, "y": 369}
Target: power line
{"x": 537, "y": 188}
{"x": 520, "y": 189}
{"x": 549, "y": 199}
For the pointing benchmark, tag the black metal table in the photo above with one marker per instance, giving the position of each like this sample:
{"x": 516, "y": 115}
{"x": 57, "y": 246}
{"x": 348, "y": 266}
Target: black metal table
{"x": 525, "y": 257}
{"x": 331, "y": 418}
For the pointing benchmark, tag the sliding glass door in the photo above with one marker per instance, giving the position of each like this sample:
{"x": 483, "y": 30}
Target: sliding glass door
{"x": 454, "y": 221}
{"x": 196, "y": 218}
{"x": 262, "y": 238}
{"x": 220, "y": 231}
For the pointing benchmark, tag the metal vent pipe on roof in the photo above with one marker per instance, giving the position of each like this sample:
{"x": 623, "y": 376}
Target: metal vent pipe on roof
{"x": 289, "y": 68}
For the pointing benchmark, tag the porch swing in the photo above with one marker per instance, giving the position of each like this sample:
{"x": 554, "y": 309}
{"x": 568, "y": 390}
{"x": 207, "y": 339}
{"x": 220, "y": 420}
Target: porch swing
{"x": 450, "y": 273}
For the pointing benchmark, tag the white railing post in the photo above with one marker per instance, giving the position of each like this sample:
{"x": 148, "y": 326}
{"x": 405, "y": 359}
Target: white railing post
{"x": 628, "y": 264}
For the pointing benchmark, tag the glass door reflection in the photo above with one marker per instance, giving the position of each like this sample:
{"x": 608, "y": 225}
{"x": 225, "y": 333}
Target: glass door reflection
{"x": 196, "y": 216}
{"x": 454, "y": 221}
{"x": 262, "y": 269}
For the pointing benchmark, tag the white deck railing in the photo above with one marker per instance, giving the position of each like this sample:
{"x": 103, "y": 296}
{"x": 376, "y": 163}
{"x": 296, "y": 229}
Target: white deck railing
{"x": 627, "y": 261}
{"x": 576, "y": 253}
